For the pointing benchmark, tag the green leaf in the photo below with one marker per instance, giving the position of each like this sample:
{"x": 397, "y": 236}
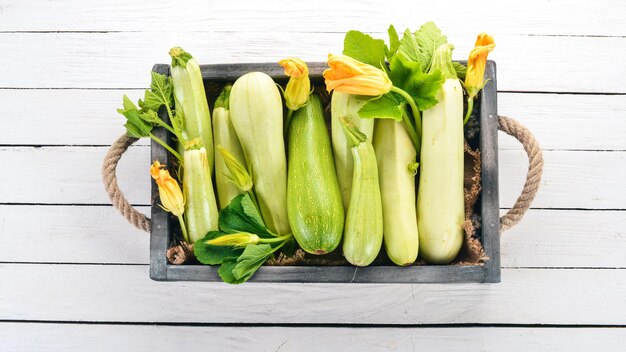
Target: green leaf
{"x": 213, "y": 255}
{"x": 364, "y": 48}
{"x": 251, "y": 260}
{"x": 423, "y": 88}
{"x": 394, "y": 42}
{"x": 408, "y": 47}
{"x": 461, "y": 70}
{"x": 241, "y": 216}
{"x": 409, "y": 76}
{"x": 387, "y": 106}
{"x": 402, "y": 69}
{"x": 226, "y": 272}
{"x": 421, "y": 45}
{"x": 135, "y": 125}
{"x": 160, "y": 92}
{"x": 428, "y": 38}
{"x": 249, "y": 208}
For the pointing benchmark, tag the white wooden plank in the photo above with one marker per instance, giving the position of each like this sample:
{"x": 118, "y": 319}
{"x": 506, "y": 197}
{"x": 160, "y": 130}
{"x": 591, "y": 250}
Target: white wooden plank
{"x": 89, "y": 117}
{"x": 531, "y": 17}
{"x": 126, "y": 294}
{"x": 566, "y": 238}
{"x": 62, "y": 117}
{"x": 71, "y": 175}
{"x": 565, "y": 121}
{"x": 97, "y": 234}
{"x": 70, "y": 234}
{"x": 571, "y": 179}
{"x": 123, "y": 60}
{"x": 74, "y": 337}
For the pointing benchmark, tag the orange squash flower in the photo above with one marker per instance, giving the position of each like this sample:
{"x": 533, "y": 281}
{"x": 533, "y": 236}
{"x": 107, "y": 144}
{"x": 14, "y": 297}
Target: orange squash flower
{"x": 350, "y": 76}
{"x": 169, "y": 190}
{"x": 299, "y": 85}
{"x": 474, "y": 79}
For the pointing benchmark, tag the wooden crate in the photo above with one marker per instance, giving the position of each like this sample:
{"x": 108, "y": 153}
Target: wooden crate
{"x": 489, "y": 271}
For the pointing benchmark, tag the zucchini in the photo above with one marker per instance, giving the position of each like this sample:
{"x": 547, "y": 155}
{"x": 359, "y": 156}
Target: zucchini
{"x": 314, "y": 202}
{"x": 256, "y": 111}
{"x": 190, "y": 100}
{"x": 346, "y": 106}
{"x": 363, "y": 233}
{"x": 201, "y": 213}
{"x": 440, "y": 207}
{"x": 224, "y": 135}
{"x": 394, "y": 152}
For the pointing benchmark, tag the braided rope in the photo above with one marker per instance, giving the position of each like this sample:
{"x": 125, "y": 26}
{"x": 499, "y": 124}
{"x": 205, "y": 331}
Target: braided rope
{"x": 113, "y": 190}
{"x": 533, "y": 177}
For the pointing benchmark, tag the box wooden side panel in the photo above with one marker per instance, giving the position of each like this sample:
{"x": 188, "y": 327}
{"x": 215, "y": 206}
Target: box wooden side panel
{"x": 489, "y": 163}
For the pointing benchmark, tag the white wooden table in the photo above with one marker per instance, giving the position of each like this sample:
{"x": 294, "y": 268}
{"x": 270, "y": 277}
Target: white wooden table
{"x": 74, "y": 274}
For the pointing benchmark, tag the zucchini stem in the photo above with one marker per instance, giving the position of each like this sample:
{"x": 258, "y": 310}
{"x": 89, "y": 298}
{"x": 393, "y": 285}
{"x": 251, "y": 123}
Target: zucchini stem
{"x": 470, "y": 107}
{"x": 287, "y": 121}
{"x": 183, "y": 229}
{"x": 164, "y": 145}
{"x": 275, "y": 240}
{"x": 416, "y": 112}
{"x": 409, "y": 128}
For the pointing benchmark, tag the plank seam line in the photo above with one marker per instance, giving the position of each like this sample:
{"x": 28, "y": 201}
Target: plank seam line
{"x": 36, "y": 146}
{"x": 146, "y": 265}
{"x": 320, "y": 325}
{"x": 143, "y": 88}
{"x": 50, "y": 31}
{"x": 148, "y": 205}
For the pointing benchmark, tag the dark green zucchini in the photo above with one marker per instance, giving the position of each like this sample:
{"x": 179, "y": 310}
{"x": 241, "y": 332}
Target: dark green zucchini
{"x": 314, "y": 204}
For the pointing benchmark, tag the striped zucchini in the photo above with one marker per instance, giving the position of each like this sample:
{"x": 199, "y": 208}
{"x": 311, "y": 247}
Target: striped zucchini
{"x": 314, "y": 202}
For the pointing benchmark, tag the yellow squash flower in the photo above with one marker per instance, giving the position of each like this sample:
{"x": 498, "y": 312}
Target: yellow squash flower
{"x": 299, "y": 85}
{"x": 474, "y": 79}
{"x": 169, "y": 190}
{"x": 350, "y": 76}
{"x": 239, "y": 175}
{"x": 240, "y": 239}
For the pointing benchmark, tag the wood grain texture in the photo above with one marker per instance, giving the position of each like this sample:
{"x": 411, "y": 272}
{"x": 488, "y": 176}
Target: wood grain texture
{"x": 538, "y": 17}
{"x": 572, "y": 179}
{"x": 70, "y": 234}
{"x": 123, "y": 60}
{"x": 99, "y": 234}
{"x": 126, "y": 294}
{"x": 88, "y": 117}
{"x": 73, "y": 338}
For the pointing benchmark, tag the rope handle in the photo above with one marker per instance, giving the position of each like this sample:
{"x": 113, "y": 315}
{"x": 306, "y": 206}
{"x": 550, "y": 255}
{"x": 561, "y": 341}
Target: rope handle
{"x": 109, "y": 178}
{"x": 533, "y": 176}
{"x": 505, "y": 124}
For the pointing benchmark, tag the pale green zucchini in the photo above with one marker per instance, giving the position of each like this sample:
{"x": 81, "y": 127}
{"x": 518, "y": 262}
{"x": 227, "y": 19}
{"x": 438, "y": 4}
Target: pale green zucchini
{"x": 346, "y": 106}
{"x": 363, "y": 233}
{"x": 394, "y": 152}
{"x": 190, "y": 100}
{"x": 440, "y": 207}
{"x": 256, "y": 112}
{"x": 224, "y": 135}
{"x": 201, "y": 214}
{"x": 314, "y": 202}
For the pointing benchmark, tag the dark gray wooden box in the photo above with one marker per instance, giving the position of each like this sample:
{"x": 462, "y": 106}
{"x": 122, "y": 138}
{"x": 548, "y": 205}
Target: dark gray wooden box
{"x": 162, "y": 223}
